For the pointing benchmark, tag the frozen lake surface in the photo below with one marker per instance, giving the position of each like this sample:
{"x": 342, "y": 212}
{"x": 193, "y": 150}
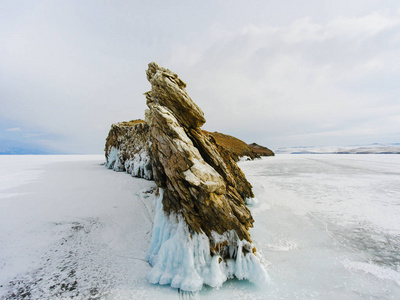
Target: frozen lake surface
{"x": 328, "y": 227}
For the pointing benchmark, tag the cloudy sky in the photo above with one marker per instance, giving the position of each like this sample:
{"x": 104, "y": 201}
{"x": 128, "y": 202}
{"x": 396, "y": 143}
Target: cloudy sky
{"x": 279, "y": 73}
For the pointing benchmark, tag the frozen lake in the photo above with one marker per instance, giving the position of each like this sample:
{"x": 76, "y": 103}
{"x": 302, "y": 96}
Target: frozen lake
{"x": 328, "y": 227}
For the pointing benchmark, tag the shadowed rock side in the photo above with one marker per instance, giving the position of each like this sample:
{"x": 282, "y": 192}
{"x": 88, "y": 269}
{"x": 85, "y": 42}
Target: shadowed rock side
{"x": 261, "y": 150}
{"x": 202, "y": 191}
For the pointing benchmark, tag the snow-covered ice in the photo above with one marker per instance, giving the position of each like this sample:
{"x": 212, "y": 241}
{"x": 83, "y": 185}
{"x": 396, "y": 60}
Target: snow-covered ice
{"x": 376, "y": 148}
{"x": 328, "y": 227}
{"x": 73, "y": 228}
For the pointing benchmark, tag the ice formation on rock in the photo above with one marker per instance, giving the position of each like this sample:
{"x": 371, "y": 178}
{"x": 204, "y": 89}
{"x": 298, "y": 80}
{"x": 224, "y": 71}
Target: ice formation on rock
{"x": 201, "y": 229}
{"x": 183, "y": 260}
{"x": 127, "y": 149}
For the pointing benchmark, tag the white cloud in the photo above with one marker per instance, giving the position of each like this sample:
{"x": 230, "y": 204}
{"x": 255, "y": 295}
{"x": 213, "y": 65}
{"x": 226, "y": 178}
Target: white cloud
{"x": 13, "y": 129}
{"x": 261, "y": 70}
{"x": 34, "y": 135}
{"x": 298, "y": 78}
{"x": 369, "y": 25}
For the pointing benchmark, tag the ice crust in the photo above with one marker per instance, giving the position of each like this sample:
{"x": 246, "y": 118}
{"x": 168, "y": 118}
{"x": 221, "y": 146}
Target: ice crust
{"x": 139, "y": 165}
{"x": 183, "y": 260}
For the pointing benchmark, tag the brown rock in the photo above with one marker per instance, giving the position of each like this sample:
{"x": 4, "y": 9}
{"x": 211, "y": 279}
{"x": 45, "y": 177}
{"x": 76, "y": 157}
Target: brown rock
{"x": 203, "y": 187}
{"x": 201, "y": 181}
{"x": 127, "y": 148}
{"x": 261, "y": 150}
{"x": 236, "y": 147}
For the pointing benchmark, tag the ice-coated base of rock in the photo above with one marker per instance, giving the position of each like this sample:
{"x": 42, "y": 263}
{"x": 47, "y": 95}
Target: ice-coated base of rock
{"x": 139, "y": 165}
{"x": 251, "y": 201}
{"x": 183, "y": 260}
{"x": 112, "y": 160}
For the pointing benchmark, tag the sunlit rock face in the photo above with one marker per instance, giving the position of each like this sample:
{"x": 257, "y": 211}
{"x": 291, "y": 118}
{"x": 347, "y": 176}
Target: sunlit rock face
{"x": 202, "y": 190}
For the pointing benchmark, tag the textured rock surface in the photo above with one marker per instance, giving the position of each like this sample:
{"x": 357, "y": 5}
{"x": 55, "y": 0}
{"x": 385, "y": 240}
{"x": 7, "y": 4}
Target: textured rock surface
{"x": 261, "y": 150}
{"x": 207, "y": 188}
{"x": 127, "y": 148}
{"x": 202, "y": 191}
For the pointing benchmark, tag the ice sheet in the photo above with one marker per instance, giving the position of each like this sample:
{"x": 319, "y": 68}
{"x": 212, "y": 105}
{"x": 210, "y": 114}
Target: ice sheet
{"x": 328, "y": 225}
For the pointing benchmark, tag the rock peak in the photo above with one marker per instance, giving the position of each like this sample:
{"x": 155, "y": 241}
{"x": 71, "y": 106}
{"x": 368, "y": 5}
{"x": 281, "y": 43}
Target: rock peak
{"x": 153, "y": 68}
{"x": 168, "y": 91}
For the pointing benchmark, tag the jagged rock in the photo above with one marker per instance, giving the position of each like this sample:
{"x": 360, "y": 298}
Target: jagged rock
{"x": 202, "y": 191}
{"x": 261, "y": 150}
{"x": 198, "y": 182}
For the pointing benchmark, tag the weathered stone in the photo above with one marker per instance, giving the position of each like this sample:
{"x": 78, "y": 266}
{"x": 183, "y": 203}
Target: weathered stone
{"x": 169, "y": 91}
{"x": 261, "y": 150}
{"x": 127, "y": 148}
{"x": 236, "y": 148}
{"x": 202, "y": 182}
{"x": 197, "y": 169}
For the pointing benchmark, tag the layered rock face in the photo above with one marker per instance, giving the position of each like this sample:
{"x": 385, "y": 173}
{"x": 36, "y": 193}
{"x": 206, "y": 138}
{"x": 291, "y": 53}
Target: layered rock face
{"x": 208, "y": 190}
{"x": 201, "y": 212}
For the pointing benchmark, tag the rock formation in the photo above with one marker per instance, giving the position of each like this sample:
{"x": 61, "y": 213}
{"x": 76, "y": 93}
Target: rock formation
{"x": 201, "y": 212}
{"x": 237, "y": 148}
{"x": 127, "y": 147}
{"x": 261, "y": 150}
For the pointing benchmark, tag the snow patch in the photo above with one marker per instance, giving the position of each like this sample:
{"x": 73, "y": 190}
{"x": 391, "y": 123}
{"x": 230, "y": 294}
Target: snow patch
{"x": 375, "y": 270}
{"x": 244, "y": 158}
{"x": 282, "y": 245}
{"x": 183, "y": 260}
{"x": 251, "y": 201}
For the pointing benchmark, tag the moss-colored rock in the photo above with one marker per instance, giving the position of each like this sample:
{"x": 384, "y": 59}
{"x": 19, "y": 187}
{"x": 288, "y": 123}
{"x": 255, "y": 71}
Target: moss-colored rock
{"x": 235, "y": 146}
{"x": 261, "y": 150}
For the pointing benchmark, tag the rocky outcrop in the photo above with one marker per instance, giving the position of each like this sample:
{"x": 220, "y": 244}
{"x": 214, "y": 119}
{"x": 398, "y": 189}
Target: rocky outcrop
{"x": 202, "y": 191}
{"x": 127, "y": 147}
{"x": 261, "y": 150}
{"x": 208, "y": 190}
{"x": 236, "y": 147}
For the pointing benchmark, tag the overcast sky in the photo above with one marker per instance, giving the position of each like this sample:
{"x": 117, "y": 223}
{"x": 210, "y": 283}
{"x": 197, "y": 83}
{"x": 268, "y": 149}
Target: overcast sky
{"x": 279, "y": 73}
